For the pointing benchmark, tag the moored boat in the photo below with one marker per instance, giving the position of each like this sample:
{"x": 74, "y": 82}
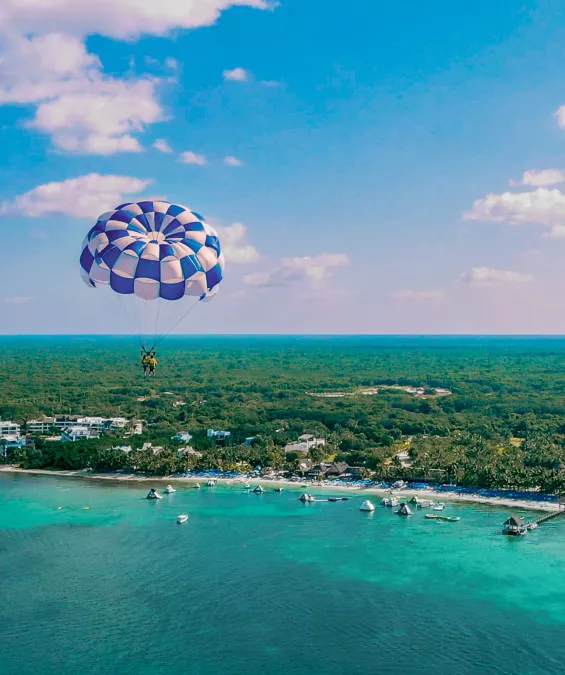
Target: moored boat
{"x": 211, "y": 483}
{"x": 448, "y": 519}
{"x": 182, "y": 518}
{"x": 306, "y": 498}
{"x": 169, "y": 490}
{"x": 367, "y": 505}
{"x": 197, "y": 486}
{"x": 153, "y": 494}
{"x": 279, "y": 489}
{"x": 439, "y": 507}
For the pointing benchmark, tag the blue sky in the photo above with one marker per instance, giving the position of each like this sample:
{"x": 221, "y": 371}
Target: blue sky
{"x": 365, "y": 139}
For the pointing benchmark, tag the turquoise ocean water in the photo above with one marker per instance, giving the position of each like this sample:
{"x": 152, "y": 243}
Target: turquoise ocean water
{"x": 265, "y": 583}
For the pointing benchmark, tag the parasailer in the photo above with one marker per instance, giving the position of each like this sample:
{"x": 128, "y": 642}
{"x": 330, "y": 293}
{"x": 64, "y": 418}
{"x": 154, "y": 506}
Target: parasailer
{"x": 158, "y": 255}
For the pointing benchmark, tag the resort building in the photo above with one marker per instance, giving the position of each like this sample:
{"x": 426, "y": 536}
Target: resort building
{"x": 182, "y": 436}
{"x": 116, "y": 423}
{"x": 8, "y": 428}
{"x": 218, "y": 435}
{"x": 11, "y": 442}
{"x": 78, "y": 433}
{"x": 304, "y": 444}
{"x": 41, "y": 426}
{"x": 97, "y": 424}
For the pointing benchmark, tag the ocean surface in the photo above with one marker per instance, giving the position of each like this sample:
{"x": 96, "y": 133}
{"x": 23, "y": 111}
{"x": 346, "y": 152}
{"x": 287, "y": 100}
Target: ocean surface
{"x": 264, "y": 583}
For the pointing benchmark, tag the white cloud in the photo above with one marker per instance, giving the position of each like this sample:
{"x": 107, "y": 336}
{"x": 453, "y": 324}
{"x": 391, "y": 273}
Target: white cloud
{"x": 543, "y": 178}
{"x": 317, "y": 271}
{"x": 82, "y": 197}
{"x": 124, "y": 20}
{"x": 555, "y": 232}
{"x": 560, "y": 114}
{"x": 488, "y": 276}
{"x": 162, "y": 145}
{"x": 44, "y": 62}
{"x": 234, "y": 246}
{"x": 237, "y": 75}
{"x": 18, "y": 300}
{"x": 407, "y": 294}
{"x": 232, "y": 161}
{"x": 543, "y": 206}
{"x": 82, "y": 109}
{"x": 190, "y": 157}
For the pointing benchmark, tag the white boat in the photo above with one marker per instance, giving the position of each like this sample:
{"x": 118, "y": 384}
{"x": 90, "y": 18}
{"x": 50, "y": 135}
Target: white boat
{"x": 389, "y": 501}
{"x": 306, "y": 498}
{"x": 404, "y": 510}
{"x": 169, "y": 490}
{"x": 367, "y": 506}
{"x": 153, "y": 494}
{"x": 258, "y": 489}
{"x": 211, "y": 483}
{"x": 197, "y": 486}
{"x": 439, "y": 507}
{"x": 182, "y": 518}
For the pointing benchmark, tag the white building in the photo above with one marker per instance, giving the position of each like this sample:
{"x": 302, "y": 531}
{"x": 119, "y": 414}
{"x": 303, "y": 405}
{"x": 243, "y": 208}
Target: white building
{"x": 64, "y": 421}
{"x": 8, "y": 428}
{"x": 78, "y": 433}
{"x": 94, "y": 423}
{"x": 137, "y": 429}
{"x": 304, "y": 443}
{"x": 115, "y": 423}
{"x": 10, "y": 442}
{"x": 182, "y": 436}
{"x": 41, "y": 426}
{"x": 218, "y": 435}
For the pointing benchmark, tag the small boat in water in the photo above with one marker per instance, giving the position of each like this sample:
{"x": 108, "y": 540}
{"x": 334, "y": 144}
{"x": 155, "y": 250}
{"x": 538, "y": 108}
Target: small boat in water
{"x": 153, "y": 494}
{"x": 367, "y": 505}
{"x": 389, "y": 501}
{"x": 439, "y": 507}
{"x": 169, "y": 490}
{"x": 279, "y": 489}
{"x": 306, "y": 498}
{"x": 196, "y": 486}
{"x": 247, "y": 486}
{"x": 182, "y": 518}
{"x": 404, "y": 510}
{"x": 211, "y": 483}
{"x": 258, "y": 489}
{"x": 448, "y": 519}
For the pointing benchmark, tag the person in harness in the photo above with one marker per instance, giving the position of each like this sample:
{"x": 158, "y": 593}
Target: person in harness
{"x": 145, "y": 358}
{"x": 152, "y": 363}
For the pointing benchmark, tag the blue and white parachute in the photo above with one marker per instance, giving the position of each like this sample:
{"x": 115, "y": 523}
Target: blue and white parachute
{"x": 153, "y": 249}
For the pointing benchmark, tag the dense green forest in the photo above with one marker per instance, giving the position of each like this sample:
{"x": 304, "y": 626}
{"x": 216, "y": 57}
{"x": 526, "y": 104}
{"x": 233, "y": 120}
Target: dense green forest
{"x": 501, "y": 425}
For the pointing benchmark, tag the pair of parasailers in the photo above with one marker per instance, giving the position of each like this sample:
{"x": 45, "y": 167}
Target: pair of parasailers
{"x": 149, "y": 362}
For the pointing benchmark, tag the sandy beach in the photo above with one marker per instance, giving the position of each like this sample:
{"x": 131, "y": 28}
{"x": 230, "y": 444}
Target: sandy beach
{"x": 444, "y": 496}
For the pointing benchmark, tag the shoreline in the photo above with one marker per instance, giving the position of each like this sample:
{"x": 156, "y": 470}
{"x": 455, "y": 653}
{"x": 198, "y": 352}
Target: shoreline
{"x": 429, "y": 493}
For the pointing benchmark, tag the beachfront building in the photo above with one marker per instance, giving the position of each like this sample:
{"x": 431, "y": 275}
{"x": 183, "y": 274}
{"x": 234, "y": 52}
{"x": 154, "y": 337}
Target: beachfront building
{"x": 115, "y": 423}
{"x": 41, "y": 426}
{"x": 304, "y": 444}
{"x": 218, "y": 435}
{"x": 182, "y": 436}
{"x": 8, "y": 428}
{"x": 97, "y": 424}
{"x": 11, "y": 443}
{"x": 78, "y": 433}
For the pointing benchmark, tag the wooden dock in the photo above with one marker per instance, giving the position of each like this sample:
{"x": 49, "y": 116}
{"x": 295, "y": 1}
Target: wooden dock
{"x": 550, "y": 515}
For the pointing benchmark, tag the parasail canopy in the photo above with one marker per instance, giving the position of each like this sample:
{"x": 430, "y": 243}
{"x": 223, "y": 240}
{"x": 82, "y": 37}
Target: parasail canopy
{"x": 153, "y": 249}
